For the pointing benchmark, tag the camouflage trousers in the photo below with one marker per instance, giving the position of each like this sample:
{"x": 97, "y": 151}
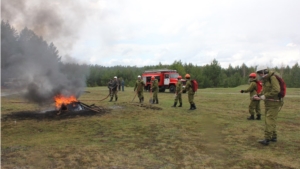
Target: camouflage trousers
{"x": 191, "y": 98}
{"x": 114, "y": 93}
{"x": 178, "y": 97}
{"x": 271, "y": 113}
{"x": 254, "y": 106}
{"x": 155, "y": 98}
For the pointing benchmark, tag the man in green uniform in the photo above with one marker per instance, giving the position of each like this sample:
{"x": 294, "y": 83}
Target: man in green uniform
{"x": 254, "y": 104}
{"x": 191, "y": 93}
{"x": 139, "y": 86}
{"x": 154, "y": 88}
{"x": 178, "y": 92}
{"x": 114, "y": 89}
{"x": 271, "y": 89}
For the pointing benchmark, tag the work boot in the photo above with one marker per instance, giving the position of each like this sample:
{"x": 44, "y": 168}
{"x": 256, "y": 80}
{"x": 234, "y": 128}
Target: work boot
{"x": 274, "y": 139}
{"x": 110, "y": 99}
{"x": 156, "y": 101}
{"x": 251, "y": 117}
{"x": 180, "y": 104}
{"x": 175, "y": 103}
{"x": 140, "y": 100}
{"x": 264, "y": 142}
{"x": 258, "y": 117}
{"x": 116, "y": 98}
{"x": 194, "y": 106}
{"x": 153, "y": 101}
{"x": 191, "y": 107}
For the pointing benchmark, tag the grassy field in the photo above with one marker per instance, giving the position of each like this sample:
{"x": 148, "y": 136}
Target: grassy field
{"x": 128, "y": 135}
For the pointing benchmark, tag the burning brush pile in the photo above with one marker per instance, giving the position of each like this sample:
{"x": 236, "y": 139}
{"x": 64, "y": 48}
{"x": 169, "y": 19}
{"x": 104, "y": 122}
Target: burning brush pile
{"x": 71, "y": 104}
{"x": 66, "y": 107}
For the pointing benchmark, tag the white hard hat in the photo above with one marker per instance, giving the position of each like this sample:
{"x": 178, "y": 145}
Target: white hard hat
{"x": 262, "y": 69}
{"x": 139, "y": 76}
{"x": 115, "y": 77}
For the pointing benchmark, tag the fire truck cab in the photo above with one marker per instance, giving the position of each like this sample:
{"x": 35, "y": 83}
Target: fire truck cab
{"x": 167, "y": 79}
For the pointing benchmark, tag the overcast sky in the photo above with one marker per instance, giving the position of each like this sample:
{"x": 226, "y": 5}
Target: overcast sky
{"x": 140, "y": 32}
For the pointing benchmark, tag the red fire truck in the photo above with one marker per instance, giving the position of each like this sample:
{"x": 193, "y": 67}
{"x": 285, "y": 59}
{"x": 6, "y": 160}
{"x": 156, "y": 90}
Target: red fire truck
{"x": 167, "y": 79}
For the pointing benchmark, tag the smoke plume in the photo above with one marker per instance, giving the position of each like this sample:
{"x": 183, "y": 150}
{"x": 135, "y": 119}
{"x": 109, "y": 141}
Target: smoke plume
{"x": 56, "y": 21}
{"x": 30, "y": 62}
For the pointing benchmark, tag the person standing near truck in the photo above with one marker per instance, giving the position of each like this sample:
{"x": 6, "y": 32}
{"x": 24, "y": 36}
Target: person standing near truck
{"x": 154, "y": 88}
{"x": 139, "y": 87}
{"x": 178, "y": 92}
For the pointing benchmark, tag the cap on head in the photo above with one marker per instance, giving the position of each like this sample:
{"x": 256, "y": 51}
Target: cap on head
{"x": 152, "y": 77}
{"x": 262, "y": 69}
{"x": 187, "y": 76}
{"x": 115, "y": 77}
{"x": 252, "y": 75}
{"x": 139, "y": 76}
{"x": 179, "y": 77}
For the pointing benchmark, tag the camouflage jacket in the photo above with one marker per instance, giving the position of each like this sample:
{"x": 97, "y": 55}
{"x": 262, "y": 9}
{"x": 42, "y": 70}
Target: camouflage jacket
{"x": 139, "y": 85}
{"x": 271, "y": 86}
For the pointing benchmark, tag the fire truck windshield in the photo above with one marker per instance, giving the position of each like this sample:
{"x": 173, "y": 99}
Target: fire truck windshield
{"x": 174, "y": 75}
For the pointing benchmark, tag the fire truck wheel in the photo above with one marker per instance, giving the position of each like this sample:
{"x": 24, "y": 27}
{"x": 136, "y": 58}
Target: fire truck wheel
{"x": 172, "y": 88}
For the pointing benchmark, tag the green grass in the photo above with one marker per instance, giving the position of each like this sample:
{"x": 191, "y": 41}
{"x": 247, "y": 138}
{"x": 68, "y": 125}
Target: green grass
{"x": 216, "y": 135}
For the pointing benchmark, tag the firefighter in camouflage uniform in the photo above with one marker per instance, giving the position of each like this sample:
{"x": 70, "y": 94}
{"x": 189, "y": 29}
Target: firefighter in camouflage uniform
{"x": 190, "y": 92}
{"x": 139, "y": 87}
{"x": 178, "y": 92}
{"x": 114, "y": 89}
{"x": 254, "y": 105}
{"x": 154, "y": 88}
{"x": 271, "y": 89}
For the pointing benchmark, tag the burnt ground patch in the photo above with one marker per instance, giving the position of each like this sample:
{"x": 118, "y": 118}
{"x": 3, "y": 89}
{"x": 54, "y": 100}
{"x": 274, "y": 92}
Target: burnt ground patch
{"x": 52, "y": 115}
{"x": 147, "y": 106}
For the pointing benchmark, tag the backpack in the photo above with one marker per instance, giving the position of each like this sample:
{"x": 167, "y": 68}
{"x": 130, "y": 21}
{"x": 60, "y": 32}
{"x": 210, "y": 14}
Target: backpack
{"x": 282, "y": 84}
{"x": 194, "y": 85}
{"x": 258, "y": 86}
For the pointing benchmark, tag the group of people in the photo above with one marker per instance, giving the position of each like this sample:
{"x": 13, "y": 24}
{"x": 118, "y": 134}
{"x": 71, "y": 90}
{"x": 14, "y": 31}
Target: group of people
{"x": 139, "y": 87}
{"x": 269, "y": 94}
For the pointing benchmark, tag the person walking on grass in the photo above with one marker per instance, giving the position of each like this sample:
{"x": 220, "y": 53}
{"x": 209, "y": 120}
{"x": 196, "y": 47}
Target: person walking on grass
{"x": 114, "y": 89}
{"x": 178, "y": 92}
{"x": 191, "y": 93}
{"x": 139, "y": 87}
{"x": 154, "y": 88}
{"x": 253, "y": 89}
{"x": 270, "y": 95}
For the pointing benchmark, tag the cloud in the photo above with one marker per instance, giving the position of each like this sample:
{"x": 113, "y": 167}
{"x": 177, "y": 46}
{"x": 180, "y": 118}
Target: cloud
{"x": 109, "y": 32}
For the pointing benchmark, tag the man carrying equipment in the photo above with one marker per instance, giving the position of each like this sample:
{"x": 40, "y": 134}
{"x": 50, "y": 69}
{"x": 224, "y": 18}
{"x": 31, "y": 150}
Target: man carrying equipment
{"x": 254, "y": 89}
{"x": 139, "y": 86}
{"x": 271, "y": 88}
{"x": 178, "y": 92}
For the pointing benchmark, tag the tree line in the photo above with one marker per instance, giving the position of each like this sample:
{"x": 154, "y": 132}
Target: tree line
{"x": 211, "y": 75}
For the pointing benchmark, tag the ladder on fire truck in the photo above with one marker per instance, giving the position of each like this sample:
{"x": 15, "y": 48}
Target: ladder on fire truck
{"x": 160, "y": 71}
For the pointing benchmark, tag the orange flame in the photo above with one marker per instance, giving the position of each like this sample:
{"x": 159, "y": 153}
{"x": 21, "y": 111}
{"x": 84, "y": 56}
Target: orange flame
{"x": 60, "y": 99}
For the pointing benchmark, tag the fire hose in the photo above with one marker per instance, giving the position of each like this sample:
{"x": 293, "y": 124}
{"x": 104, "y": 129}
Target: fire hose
{"x": 272, "y": 100}
{"x": 102, "y": 99}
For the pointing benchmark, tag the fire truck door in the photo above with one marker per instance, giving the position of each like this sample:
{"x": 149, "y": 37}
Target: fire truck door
{"x": 167, "y": 79}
